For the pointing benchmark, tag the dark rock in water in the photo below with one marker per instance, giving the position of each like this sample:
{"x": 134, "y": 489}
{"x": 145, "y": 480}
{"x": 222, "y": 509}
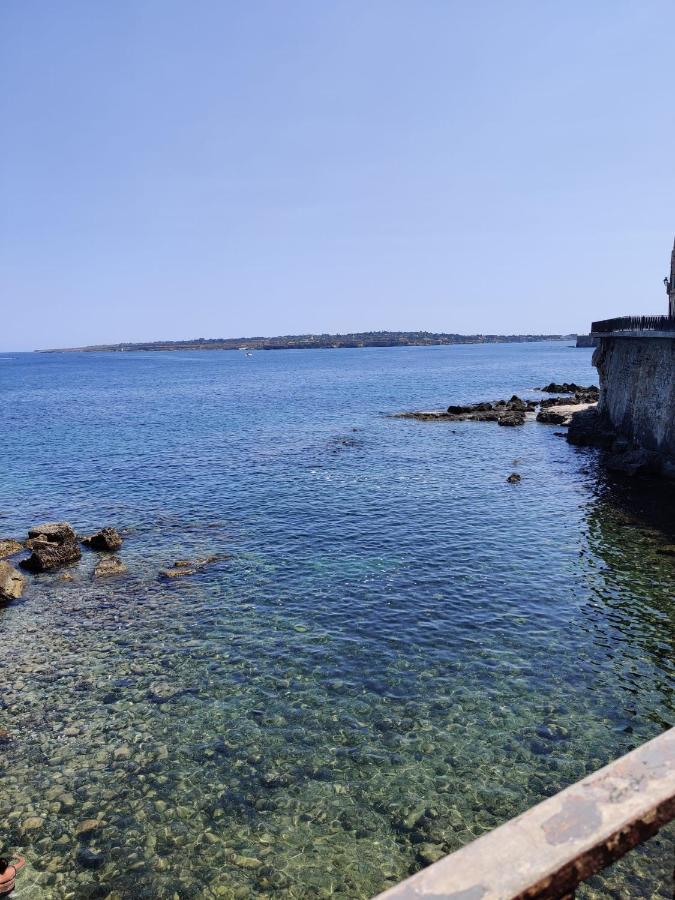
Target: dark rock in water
{"x": 111, "y": 565}
{"x": 589, "y": 429}
{"x": 89, "y": 858}
{"x": 47, "y": 556}
{"x": 512, "y": 418}
{"x": 504, "y": 412}
{"x": 569, "y": 388}
{"x": 8, "y": 547}
{"x": 516, "y": 404}
{"x": 53, "y": 533}
{"x": 514, "y": 478}
{"x": 550, "y": 417}
{"x": 11, "y": 583}
{"x": 558, "y": 401}
{"x": 107, "y": 539}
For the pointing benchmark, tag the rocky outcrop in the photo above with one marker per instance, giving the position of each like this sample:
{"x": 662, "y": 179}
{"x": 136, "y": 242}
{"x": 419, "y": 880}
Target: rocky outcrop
{"x": 11, "y": 583}
{"x": 504, "y": 412}
{"x": 8, "y": 547}
{"x": 569, "y": 388}
{"x": 47, "y": 556}
{"x": 52, "y": 532}
{"x": 588, "y": 428}
{"x": 107, "y": 539}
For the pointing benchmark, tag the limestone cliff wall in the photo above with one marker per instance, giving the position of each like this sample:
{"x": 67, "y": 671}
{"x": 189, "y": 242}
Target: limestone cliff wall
{"x": 637, "y": 390}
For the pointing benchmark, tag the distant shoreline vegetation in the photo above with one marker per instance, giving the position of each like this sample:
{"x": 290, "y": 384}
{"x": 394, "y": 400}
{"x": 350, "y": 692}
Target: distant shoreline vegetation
{"x": 320, "y": 341}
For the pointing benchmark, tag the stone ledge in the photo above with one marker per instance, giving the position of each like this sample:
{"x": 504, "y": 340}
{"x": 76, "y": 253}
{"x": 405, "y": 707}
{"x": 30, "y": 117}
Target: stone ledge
{"x": 548, "y": 850}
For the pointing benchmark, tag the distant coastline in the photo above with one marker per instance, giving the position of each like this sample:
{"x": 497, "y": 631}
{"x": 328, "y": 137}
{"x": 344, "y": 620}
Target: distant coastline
{"x": 320, "y": 341}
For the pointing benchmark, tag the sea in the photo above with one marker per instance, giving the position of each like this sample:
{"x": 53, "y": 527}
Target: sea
{"x": 383, "y": 650}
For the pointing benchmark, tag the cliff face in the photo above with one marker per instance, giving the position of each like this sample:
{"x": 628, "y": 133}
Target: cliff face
{"x": 637, "y": 391}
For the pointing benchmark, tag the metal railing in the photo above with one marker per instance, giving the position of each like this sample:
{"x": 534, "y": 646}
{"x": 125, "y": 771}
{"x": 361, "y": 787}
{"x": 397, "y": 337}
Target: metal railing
{"x": 549, "y": 850}
{"x": 634, "y": 323}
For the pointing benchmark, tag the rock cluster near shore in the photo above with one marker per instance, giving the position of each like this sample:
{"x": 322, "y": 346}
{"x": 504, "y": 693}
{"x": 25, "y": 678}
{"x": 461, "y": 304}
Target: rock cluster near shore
{"x": 515, "y": 411}
{"x": 53, "y": 545}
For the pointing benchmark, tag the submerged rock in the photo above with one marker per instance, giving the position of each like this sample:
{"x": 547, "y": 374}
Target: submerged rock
{"x": 87, "y": 827}
{"x": 11, "y": 582}
{"x": 8, "y": 547}
{"x": 163, "y": 692}
{"x": 47, "y": 556}
{"x": 177, "y": 572}
{"x": 107, "y": 539}
{"x": 195, "y": 563}
{"x": 89, "y": 858}
{"x": 429, "y": 853}
{"x": 246, "y": 862}
{"x": 53, "y": 533}
{"x": 189, "y": 566}
{"x": 112, "y": 565}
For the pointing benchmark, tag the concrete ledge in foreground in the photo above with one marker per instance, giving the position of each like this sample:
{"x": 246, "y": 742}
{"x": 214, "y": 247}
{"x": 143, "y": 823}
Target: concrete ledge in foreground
{"x": 548, "y": 850}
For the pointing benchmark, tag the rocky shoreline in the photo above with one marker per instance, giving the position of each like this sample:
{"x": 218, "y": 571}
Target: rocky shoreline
{"x": 574, "y": 407}
{"x": 515, "y": 411}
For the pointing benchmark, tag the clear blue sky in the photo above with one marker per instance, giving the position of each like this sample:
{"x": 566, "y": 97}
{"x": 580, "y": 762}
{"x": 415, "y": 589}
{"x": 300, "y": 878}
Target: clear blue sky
{"x": 185, "y": 168}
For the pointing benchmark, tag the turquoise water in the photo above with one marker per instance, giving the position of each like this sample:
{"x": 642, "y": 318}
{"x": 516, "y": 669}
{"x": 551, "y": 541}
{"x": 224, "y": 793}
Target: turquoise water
{"x": 394, "y": 652}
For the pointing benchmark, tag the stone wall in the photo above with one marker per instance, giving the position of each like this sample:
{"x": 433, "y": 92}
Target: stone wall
{"x": 637, "y": 391}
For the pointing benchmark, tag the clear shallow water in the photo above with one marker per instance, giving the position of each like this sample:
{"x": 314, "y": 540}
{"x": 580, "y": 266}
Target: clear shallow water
{"x": 399, "y": 651}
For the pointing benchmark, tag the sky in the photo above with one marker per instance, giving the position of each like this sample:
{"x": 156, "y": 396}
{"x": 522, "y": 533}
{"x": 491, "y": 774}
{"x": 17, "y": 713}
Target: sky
{"x": 172, "y": 169}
